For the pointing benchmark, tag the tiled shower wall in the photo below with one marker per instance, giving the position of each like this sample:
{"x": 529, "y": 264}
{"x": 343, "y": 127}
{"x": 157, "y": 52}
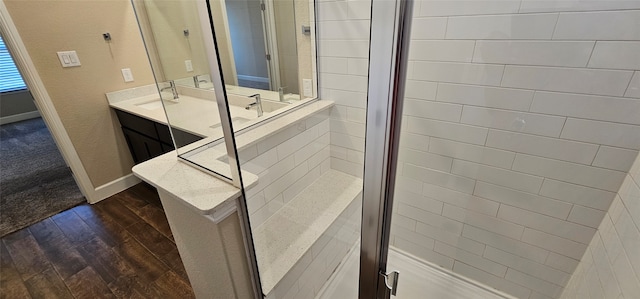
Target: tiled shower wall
{"x": 285, "y": 163}
{"x": 610, "y": 267}
{"x": 343, "y": 52}
{"x": 521, "y": 122}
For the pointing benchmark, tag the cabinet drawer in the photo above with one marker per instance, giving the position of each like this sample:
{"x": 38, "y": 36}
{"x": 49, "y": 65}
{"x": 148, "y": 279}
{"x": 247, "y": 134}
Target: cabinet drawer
{"x": 137, "y": 123}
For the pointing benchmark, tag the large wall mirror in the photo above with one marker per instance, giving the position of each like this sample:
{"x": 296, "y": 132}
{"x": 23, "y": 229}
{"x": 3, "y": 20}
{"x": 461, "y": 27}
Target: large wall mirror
{"x": 263, "y": 45}
{"x": 266, "y": 50}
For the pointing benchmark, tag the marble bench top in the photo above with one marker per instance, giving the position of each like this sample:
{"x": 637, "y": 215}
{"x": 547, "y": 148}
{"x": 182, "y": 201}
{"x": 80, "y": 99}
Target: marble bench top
{"x": 287, "y": 235}
{"x": 198, "y": 189}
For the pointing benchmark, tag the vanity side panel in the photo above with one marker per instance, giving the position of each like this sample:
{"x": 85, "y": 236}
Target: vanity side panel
{"x": 208, "y": 250}
{"x": 233, "y": 240}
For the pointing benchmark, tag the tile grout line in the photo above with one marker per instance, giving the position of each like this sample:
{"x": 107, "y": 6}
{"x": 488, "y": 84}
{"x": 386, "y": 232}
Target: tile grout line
{"x": 555, "y": 27}
{"x": 629, "y": 85}
{"x": 593, "y": 49}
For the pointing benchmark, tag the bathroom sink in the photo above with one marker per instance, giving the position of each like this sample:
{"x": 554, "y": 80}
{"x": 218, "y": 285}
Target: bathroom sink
{"x": 270, "y": 106}
{"x": 154, "y": 104}
{"x": 235, "y": 120}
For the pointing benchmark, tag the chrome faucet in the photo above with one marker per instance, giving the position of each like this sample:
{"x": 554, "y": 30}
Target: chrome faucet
{"x": 257, "y": 103}
{"x": 196, "y": 81}
{"x": 174, "y": 91}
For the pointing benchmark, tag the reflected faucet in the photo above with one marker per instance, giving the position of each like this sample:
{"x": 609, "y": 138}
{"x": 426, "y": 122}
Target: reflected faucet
{"x": 174, "y": 91}
{"x": 281, "y": 93}
{"x": 258, "y": 103}
{"x": 196, "y": 81}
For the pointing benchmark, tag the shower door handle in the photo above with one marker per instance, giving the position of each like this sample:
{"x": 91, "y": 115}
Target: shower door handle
{"x": 391, "y": 281}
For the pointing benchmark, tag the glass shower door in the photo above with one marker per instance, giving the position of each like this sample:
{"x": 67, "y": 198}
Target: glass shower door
{"x": 504, "y": 179}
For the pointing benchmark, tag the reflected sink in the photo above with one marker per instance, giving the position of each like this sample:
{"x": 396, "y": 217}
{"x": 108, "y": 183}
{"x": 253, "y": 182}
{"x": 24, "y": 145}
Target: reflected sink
{"x": 235, "y": 120}
{"x": 154, "y": 104}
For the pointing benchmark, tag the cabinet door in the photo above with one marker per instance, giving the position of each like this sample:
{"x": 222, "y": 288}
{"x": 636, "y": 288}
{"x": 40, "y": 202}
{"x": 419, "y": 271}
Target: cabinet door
{"x": 163, "y": 133}
{"x": 142, "y": 147}
{"x": 167, "y": 147}
{"x": 183, "y": 138}
{"x": 137, "y": 123}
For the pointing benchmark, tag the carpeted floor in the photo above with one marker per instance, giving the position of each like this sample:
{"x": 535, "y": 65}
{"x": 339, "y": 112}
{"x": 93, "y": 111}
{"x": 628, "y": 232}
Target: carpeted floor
{"x": 35, "y": 183}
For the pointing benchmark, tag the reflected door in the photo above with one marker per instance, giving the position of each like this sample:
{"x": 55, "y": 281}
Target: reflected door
{"x": 249, "y": 42}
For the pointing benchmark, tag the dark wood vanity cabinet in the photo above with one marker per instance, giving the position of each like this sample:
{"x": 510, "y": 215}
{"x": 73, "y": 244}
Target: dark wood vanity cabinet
{"x": 148, "y": 139}
{"x": 143, "y": 148}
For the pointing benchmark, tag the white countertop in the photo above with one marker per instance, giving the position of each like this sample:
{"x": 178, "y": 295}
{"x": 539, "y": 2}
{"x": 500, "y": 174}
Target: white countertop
{"x": 237, "y": 90}
{"x": 201, "y": 189}
{"x": 196, "y": 111}
{"x": 197, "y": 189}
{"x": 190, "y": 114}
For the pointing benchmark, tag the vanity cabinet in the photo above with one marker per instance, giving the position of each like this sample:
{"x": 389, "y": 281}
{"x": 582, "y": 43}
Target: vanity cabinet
{"x": 148, "y": 139}
{"x": 142, "y": 147}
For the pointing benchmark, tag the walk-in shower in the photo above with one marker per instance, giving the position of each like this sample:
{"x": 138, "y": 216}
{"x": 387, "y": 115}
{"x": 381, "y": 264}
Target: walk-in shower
{"x": 486, "y": 147}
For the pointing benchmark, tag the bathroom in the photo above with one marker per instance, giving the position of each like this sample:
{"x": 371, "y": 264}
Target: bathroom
{"x": 509, "y": 168}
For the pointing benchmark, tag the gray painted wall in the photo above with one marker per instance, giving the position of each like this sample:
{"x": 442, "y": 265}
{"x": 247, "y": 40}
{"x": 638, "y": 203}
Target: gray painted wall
{"x": 15, "y": 103}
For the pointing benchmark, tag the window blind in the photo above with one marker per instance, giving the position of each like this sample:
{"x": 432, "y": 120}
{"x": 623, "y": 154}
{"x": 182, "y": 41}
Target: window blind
{"x": 10, "y": 78}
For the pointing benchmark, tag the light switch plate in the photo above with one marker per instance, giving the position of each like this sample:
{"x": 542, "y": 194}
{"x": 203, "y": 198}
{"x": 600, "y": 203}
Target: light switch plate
{"x": 68, "y": 58}
{"x": 188, "y": 65}
{"x": 127, "y": 75}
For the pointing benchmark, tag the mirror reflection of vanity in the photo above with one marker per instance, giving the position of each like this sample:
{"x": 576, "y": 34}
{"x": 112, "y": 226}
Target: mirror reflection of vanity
{"x": 264, "y": 46}
{"x": 266, "y": 58}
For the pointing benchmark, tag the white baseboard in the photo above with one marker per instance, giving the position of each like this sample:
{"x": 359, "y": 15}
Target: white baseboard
{"x": 18, "y": 117}
{"x": 253, "y": 78}
{"x": 114, "y": 187}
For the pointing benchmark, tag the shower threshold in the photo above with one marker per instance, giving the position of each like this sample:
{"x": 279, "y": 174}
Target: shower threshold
{"x": 417, "y": 280}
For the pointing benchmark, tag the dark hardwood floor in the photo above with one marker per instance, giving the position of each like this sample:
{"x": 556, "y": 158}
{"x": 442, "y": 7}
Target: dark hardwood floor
{"x": 121, "y": 247}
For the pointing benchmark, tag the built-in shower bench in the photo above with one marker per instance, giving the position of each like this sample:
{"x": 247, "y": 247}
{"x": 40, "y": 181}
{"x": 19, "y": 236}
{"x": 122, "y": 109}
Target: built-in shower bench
{"x": 284, "y": 242}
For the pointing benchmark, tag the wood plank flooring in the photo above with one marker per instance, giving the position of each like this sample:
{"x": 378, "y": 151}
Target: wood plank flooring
{"x": 121, "y": 247}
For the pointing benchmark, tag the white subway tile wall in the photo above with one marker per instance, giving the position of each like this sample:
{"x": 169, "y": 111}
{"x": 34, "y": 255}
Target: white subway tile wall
{"x": 522, "y": 119}
{"x": 343, "y": 51}
{"x": 286, "y": 163}
{"x": 294, "y": 158}
{"x": 610, "y": 268}
{"x": 633, "y": 91}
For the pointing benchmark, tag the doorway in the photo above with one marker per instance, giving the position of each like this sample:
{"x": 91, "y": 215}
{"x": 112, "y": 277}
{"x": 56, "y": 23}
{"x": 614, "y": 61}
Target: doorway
{"x": 36, "y": 181}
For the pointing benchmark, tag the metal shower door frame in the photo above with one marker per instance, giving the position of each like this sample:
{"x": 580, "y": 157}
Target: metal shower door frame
{"x": 388, "y": 56}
